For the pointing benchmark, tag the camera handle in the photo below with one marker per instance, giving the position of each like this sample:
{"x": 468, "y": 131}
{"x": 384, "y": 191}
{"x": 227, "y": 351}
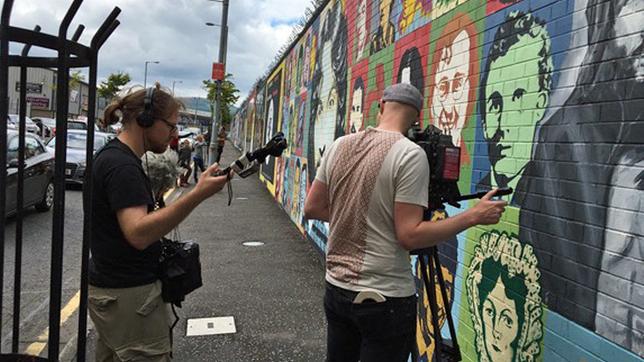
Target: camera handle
{"x": 500, "y": 192}
{"x": 442, "y": 351}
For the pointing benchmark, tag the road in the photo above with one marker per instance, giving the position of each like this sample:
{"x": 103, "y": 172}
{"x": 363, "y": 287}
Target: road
{"x": 36, "y": 266}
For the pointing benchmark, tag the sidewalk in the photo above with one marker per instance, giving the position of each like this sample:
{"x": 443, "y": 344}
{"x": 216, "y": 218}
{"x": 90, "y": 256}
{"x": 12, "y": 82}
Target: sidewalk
{"x": 274, "y": 292}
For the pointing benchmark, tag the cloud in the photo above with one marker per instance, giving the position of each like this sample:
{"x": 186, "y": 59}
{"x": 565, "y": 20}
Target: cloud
{"x": 174, "y": 33}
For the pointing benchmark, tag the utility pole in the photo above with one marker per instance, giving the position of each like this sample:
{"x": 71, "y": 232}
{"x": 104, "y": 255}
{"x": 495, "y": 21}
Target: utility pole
{"x": 222, "y": 59}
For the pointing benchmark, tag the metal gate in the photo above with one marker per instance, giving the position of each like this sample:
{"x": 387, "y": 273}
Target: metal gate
{"x": 71, "y": 54}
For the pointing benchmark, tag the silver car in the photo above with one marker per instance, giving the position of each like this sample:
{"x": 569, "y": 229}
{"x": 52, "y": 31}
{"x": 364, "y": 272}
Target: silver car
{"x": 76, "y": 144}
{"x": 14, "y": 120}
{"x": 39, "y": 174}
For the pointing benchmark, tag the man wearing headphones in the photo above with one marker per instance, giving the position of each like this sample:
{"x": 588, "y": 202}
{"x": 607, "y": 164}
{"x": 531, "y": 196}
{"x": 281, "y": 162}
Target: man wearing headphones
{"x": 125, "y": 301}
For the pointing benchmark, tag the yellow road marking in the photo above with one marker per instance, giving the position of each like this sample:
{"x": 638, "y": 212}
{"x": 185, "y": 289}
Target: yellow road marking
{"x": 168, "y": 193}
{"x": 36, "y": 348}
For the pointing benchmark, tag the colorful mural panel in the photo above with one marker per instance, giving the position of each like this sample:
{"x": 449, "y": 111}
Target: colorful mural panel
{"x": 542, "y": 96}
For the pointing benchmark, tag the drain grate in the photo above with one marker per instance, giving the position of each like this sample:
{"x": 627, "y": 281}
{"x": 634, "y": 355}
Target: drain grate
{"x": 253, "y": 243}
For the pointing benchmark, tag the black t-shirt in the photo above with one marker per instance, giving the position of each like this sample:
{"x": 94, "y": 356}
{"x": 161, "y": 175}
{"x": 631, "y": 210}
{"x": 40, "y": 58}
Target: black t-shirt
{"x": 119, "y": 183}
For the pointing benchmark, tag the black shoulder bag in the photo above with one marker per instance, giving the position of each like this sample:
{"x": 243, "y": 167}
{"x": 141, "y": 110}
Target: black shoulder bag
{"x": 180, "y": 270}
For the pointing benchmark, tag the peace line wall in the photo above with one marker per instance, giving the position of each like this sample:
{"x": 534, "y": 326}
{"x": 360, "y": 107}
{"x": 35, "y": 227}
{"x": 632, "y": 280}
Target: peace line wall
{"x": 542, "y": 96}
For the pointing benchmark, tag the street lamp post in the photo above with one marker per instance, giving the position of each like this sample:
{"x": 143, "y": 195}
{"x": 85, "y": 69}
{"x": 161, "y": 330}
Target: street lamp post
{"x": 196, "y": 107}
{"x": 145, "y": 76}
{"x": 173, "y": 83}
{"x": 222, "y": 59}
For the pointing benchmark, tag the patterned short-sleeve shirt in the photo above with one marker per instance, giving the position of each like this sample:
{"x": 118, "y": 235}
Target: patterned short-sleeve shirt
{"x": 366, "y": 173}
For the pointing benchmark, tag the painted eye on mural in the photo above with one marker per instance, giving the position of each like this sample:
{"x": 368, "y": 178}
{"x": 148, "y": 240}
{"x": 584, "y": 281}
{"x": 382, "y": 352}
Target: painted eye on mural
{"x": 507, "y": 321}
{"x": 518, "y": 94}
{"x": 457, "y": 85}
{"x": 443, "y": 88}
{"x": 488, "y": 310}
{"x": 495, "y": 103}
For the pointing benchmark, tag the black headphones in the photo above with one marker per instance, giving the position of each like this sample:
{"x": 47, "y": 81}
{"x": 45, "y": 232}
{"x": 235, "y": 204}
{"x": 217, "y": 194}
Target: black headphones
{"x": 145, "y": 119}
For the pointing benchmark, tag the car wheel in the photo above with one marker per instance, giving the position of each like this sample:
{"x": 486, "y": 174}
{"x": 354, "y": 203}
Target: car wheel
{"x": 48, "y": 198}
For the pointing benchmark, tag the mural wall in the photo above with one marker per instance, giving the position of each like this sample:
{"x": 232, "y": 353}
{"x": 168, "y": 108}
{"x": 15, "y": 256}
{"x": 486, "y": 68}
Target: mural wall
{"x": 545, "y": 96}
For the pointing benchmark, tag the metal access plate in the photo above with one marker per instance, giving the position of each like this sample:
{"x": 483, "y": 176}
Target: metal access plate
{"x": 207, "y": 326}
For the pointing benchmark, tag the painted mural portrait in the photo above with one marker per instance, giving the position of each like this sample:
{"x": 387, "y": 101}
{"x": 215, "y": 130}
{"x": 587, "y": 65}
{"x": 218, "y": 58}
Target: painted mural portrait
{"x": 270, "y": 120}
{"x": 598, "y": 144}
{"x": 362, "y": 31}
{"x": 454, "y": 78}
{"x": 506, "y": 109}
{"x": 502, "y": 287}
{"x": 328, "y": 104}
{"x": 411, "y": 69}
{"x": 356, "y": 115}
{"x": 385, "y": 34}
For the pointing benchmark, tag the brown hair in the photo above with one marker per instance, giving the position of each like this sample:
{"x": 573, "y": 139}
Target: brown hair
{"x": 130, "y": 106}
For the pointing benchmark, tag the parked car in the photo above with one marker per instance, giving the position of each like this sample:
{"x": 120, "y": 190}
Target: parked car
{"x": 47, "y": 127}
{"x": 30, "y": 126}
{"x": 80, "y": 124}
{"x": 76, "y": 145}
{"x": 39, "y": 174}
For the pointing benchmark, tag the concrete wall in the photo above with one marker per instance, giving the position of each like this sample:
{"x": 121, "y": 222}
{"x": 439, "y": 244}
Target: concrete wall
{"x": 544, "y": 96}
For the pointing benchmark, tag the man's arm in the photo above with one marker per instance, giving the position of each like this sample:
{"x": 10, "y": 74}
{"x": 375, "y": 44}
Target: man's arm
{"x": 316, "y": 205}
{"x": 142, "y": 229}
{"x": 414, "y": 233}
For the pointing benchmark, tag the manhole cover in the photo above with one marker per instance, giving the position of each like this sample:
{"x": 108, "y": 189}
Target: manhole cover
{"x": 253, "y": 243}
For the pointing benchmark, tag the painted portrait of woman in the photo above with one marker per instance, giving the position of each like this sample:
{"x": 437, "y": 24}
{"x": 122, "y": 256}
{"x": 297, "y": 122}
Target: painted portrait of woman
{"x": 503, "y": 294}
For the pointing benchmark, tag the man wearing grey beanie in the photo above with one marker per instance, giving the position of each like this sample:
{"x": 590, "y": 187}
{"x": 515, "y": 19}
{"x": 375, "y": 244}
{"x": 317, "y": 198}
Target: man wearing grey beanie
{"x": 372, "y": 188}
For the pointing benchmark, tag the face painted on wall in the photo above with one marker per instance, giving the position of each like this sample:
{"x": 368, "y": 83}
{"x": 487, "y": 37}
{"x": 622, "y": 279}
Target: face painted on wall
{"x": 512, "y": 103}
{"x": 452, "y": 87}
{"x": 502, "y": 285}
{"x": 361, "y": 28}
{"x": 356, "y": 111}
{"x": 626, "y": 28}
{"x": 500, "y": 321}
{"x": 269, "y": 123}
{"x": 327, "y": 107}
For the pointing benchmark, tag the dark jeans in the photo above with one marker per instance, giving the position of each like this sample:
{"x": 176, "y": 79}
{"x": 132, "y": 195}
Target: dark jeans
{"x": 220, "y": 150}
{"x": 198, "y": 166}
{"x": 369, "y": 332}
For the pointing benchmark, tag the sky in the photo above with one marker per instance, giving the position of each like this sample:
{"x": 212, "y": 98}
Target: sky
{"x": 174, "y": 33}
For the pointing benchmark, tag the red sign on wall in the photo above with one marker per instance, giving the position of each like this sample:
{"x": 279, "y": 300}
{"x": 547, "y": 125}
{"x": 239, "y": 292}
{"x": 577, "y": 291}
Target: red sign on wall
{"x": 218, "y": 71}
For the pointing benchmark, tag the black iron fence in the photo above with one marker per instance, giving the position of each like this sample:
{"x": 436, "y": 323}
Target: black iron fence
{"x": 71, "y": 54}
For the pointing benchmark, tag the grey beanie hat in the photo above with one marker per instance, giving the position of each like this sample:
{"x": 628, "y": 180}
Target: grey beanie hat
{"x": 404, "y": 93}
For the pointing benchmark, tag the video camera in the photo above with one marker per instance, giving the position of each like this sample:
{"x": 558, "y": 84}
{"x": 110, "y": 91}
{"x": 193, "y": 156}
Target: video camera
{"x": 444, "y": 167}
{"x": 249, "y": 163}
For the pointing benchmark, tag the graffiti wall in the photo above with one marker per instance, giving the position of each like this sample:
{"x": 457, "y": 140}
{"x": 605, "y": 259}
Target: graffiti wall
{"x": 544, "y": 96}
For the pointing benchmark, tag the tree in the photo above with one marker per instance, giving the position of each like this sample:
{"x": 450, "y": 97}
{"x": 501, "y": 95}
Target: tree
{"x": 229, "y": 96}
{"x": 75, "y": 79}
{"x": 114, "y": 83}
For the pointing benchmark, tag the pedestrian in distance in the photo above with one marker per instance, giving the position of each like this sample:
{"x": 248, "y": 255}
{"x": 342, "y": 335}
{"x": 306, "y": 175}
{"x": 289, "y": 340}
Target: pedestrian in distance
{"x": 185, "y": 151}
{"x": 197, "y": 156}
{"x": 372, "y": 187}
{"x": 125, "y": 302}
{"x": 221, "y": 141}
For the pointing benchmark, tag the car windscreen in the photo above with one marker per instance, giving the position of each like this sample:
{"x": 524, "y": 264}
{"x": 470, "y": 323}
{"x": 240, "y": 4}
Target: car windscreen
{"x": 79, "y": 141}
{"x": 76, "y": 125}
